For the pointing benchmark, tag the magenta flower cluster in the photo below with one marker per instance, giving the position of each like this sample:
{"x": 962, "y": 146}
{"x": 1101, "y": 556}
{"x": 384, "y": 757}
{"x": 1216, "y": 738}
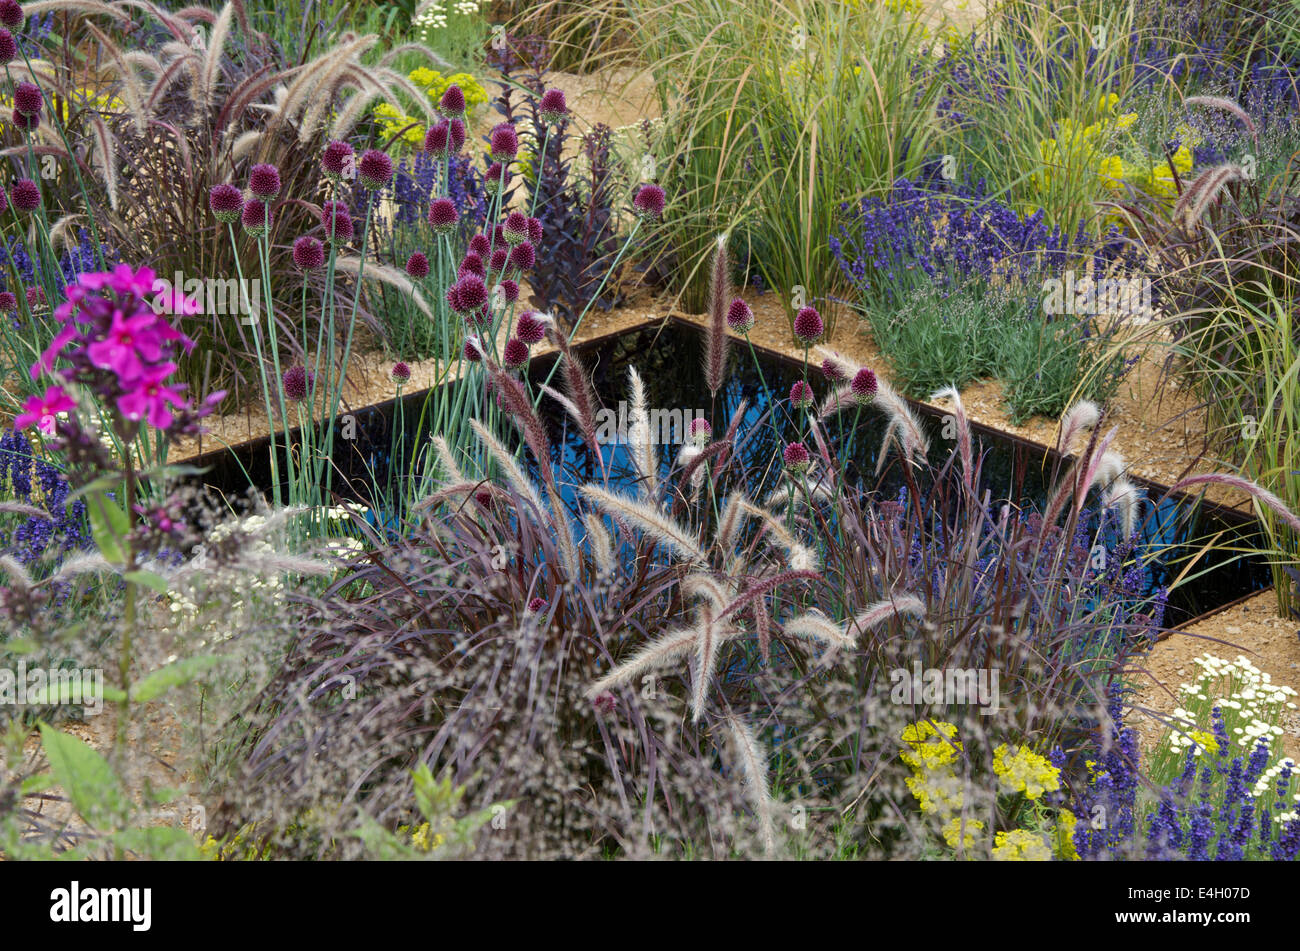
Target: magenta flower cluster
{"x": 114, "y": 342}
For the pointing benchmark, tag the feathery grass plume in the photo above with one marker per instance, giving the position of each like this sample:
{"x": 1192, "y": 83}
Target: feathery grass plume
{"x": 1203, "y": 192}
{"x": 845, "y": 368}
{"x": 602, "y": 546}
{"x": 206, "y": 89}
{"x": 639, "y": 435}
{"x": 659, "y": 652}
{"x": 1099, "y": 463}
{"x": 18, "y": 575}
{"x": 1252, "y": 489}
{"x": 577, "y": 384}
{"x": 706, "y": 661}
{"x": 520, "y": 409}
{"x": 963, "y": 434}
{"x": 753, "y": 767}
{"x": 518, "y": 480}
{"x": 715, "y": 337}
{"x": 650, "y": 520}
{"x": 1082, "y": 417}
{"x": 564, "y": 532}
{"x": 1227, "y": 105}
{"x": 1123, "y": 495}
{"x": 903, "y": 427}
{"x": 817, "y": 627}
{"x": 387, "y": 274}
{"x": 22, "y": 508}
{"x": 82, "y": 563}
{"x": 894, "y": 606}
{"x": 778, "y": 530}
{"x": 731, "y": 521}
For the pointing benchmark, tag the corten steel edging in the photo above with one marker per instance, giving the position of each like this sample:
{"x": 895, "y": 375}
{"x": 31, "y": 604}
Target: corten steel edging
{"x": 1233, "y": 516}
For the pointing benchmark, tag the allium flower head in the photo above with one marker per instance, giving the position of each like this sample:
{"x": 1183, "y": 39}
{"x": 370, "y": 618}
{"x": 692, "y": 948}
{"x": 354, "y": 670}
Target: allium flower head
{"x": 456, "y": 129}
{"x": 226, "y": 202}
{"x": 509, "y": 290}
{"x": 496, "y": 178}
{"x": 864, "y": 386}
{"x": 8, "y": 302}
{"x": 437, "y": 140}
{"x": 530, "y": 328}
{"x": 535, "y": 230}
{"x": 471, "y": 263}
{"x": 264, "y": 181}
{"x": 796, "y": 457}
{"x": 480, "y": 245}
{"x": 35, "y": 298}
{"x": 375, "y": 170}
{"x": 553, "y": 106}
{"x": 831, "y": 370}
{"x": 700, "y": 430}
{"x": 337, "y": 222}
{"x": 473, "y": 349}
{"x": 801, "y": 395}
{"x": 740, "y": 317}
{"x": 400, "y": 373}
{"x": 452, "y": 103}
{"x": 11, "y": 14}
{"x": 298, "y": 381}
{"x": 8, "y": 47}
{"x": 504, "y": 142}
{"x": 338, "y": 160}
{"x": 25, "y": 195}
{"x": 417, "y": 265}
{"x": 514, "y": 354}
{"x": 808, "y": 325}
{"x": 442, "y": 215}
{"x": 523, "y": 256}
{"x": 308, "y": 253}
{"x": 649, "y": 202}
{"x": 500, "y": 258}
{"x": 26, "y": 122}
{"x": 471, "y": 293}
{"x": 515, "y": 228}
{"x": 536, "y": 605}
{"x": 256, "y": 218}
{"x": 453, "y": 299}
{"x": 28, "y": 98}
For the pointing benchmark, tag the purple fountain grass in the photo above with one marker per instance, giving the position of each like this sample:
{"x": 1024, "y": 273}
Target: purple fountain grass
{"x": 715, "y": 340}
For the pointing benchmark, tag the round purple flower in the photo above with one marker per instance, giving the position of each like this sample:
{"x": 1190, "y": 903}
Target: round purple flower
{"x": 864, "y": 386}
{"x": 498, "y": 260}
{"x": 297, "y": 383}
{"x": 515, "y": 228}
{"x": 456, "y": 128}
{"x": 11, "y": 14}
{"x": 35, "y": 298}
{"x": 480, "y": 245}
{"x": 801, "y": 395}
{"x": 375, "y": 170}
{"x": 553, "y": 107}
{"x": 25, "y": 195}
{"x": 604, "y": 703}
{"x": 530, "y": 329}
{"x": 400, "y": 373}
{"x": 700, "y": 431}
{"x": 264, "y": 181}
{"x": 535, "y": 230}
{"x": 226, "y": 202}
{"x": 256, "y": 218}
{"x": 8, "y": 47}
{"x": 808, "y": 325}
{"x": 337, "y": 222}
{"x": 472, "y": 350}
{"x": 8, "y": 302}
{"x": 452, "y": 298}
{"x": 536, "y": 605}
{"x": 496, "y": 177}
{"x": 509, "y": 290}
{"x": 308, "y": 253}
{"x": 514, "y": 354}
{"x": 649, "y": 202}
{"x": 831, "y": 370}
{"x": 523, "y": 256}
{"x": 471, "y": 263}
{"x": 740, "y": 317}
{"x": 28, "y": 99}
{"x": 471, "y": 293}
{"x": 452, "y": 103}
{"x": 498, "y": 235}
{"x": 436, "y": 140}
{"x": 25, "y": 122}
{"x": 442, "y": 215}
{"x": 417, "y": 265}
{"x": 338, "y": 160}
{"x": 796, "y": 457}
{"x": 504, "y": 142}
